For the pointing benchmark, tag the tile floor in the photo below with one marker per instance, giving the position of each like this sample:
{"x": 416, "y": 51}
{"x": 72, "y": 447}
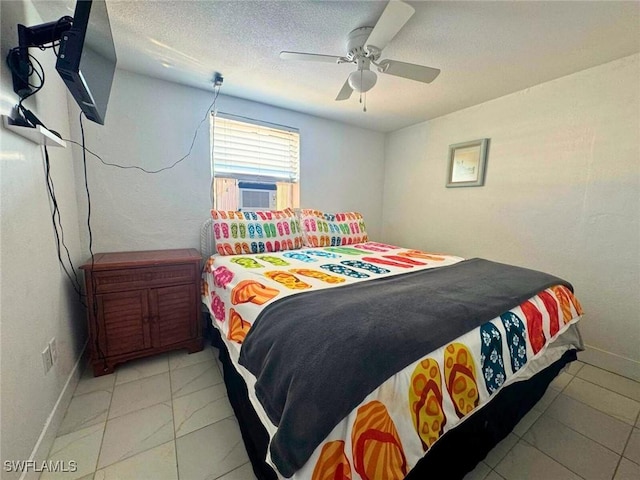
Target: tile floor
{"x": 168, "y": 417}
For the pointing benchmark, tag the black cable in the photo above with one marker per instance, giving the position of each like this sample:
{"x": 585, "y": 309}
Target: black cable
{"x": 56, "y": 215}
{"x": 86, "y": 186}
{"x": 14, "y": 68}
{"x": 23, "y": 50}
{"x": 59, "y": 235}
{"x": 40, "y": 75}
{"x": 56, "y": 218}
{"x": 32, "y": 70}
{"x": 31, "y": 89}
{"x": 94, "y": 299}
{"x": 193, "y": 141}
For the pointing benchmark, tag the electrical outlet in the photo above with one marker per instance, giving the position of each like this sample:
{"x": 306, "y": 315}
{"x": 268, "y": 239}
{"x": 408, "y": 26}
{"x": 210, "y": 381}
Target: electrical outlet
{"x": 53, "y": 348}
{"x": 46, "y": 359}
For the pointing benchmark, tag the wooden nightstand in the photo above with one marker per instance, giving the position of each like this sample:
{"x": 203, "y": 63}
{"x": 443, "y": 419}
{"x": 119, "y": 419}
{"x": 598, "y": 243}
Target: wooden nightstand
{"x": 142, "y": 303}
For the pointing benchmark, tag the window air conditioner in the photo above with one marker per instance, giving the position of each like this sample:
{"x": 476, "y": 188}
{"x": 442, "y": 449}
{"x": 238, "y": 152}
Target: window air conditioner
{"x": 256, "y": 196}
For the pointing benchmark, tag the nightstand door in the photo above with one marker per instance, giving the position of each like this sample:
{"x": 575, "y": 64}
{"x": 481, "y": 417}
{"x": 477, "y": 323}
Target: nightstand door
{"x": 123, "y": 322}
{"x": 173, "y": 313}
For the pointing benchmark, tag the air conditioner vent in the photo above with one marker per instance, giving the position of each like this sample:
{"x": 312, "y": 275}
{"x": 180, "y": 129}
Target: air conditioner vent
{"x": 256, "y": 196}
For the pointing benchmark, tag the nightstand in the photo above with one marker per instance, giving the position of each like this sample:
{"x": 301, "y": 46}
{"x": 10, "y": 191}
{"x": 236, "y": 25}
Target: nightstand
{"x": 141, "y": 304}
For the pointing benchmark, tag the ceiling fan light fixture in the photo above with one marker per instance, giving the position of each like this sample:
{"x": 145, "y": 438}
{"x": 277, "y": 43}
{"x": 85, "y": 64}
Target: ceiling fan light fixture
{"x": 362, "y": 80}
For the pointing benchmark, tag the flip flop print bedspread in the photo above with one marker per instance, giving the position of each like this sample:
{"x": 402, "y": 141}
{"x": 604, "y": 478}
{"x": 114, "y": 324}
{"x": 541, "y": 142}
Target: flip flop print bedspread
{"x": 379, "y": 439}
{"x": 247, "y": 282}
{"x": 442, "y": 389}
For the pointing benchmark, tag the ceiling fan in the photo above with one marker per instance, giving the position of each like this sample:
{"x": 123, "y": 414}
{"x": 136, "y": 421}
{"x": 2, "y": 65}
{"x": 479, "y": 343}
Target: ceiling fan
{"x": 364, "y": 48}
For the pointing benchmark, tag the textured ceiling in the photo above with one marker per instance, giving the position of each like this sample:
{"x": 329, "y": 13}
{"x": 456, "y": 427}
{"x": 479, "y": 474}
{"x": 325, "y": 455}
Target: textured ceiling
{"x": 484, "y": 49}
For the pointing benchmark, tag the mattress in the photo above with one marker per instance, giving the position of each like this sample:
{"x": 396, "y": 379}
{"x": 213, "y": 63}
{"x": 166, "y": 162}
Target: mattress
{"x": 392, "y": 427}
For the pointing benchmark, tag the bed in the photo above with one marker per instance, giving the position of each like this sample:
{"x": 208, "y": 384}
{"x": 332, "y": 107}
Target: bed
{"x": 345, "y": 358}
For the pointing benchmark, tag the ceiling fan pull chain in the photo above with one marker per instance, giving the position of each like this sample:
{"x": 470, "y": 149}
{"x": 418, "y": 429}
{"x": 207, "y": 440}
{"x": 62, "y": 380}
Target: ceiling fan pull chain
{"x": 365, "y": 102}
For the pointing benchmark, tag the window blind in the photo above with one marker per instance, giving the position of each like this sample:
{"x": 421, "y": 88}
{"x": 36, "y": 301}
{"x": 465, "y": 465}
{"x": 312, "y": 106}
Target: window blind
{"x": 245, "y": 148}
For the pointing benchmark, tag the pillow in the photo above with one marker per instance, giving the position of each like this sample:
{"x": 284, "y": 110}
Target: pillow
{"x": 256, "y": 232}
{"x": 332, "y": 229}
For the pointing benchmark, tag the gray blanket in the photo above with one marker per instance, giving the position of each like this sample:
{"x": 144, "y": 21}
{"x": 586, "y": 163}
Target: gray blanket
{"x": 316, "y": 355}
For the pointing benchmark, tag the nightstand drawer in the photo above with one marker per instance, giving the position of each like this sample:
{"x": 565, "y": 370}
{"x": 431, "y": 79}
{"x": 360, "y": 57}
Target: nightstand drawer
{"x": 132, "y": 278}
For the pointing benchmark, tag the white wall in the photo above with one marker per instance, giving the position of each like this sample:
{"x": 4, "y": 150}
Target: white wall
{"x": 37, "y": 302}
{"x": 561, "y": 194}
{"x": 151, "y": 123}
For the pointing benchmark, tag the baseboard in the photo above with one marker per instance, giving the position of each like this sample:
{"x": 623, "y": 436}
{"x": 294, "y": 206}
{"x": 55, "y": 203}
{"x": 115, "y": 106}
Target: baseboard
{"x": 43, "y": 445}
{"x": 611, "y": 362}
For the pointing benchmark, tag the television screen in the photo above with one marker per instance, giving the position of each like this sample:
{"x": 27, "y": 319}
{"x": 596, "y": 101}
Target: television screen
{"x": 87, "y": 58}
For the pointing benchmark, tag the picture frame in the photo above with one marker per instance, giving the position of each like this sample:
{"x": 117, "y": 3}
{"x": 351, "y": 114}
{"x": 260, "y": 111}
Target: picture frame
{"x": 467, "y": 163}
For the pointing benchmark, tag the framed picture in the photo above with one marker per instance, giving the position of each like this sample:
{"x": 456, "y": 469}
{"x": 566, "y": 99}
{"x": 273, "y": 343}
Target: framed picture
{"x": 467, "y": 163}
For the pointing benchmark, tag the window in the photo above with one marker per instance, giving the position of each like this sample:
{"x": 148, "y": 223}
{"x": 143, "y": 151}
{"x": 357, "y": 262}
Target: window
{"x": 254, "y": 160}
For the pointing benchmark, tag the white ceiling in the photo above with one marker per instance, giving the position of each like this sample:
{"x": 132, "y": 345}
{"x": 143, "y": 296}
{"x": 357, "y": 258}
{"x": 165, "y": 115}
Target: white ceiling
{"x": 484, "y": 49}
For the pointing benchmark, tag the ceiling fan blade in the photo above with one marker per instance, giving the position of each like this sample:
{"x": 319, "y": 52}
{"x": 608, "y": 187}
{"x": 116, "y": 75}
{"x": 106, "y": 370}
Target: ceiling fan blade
{"x": 345, "y": 92}
{"x": 408, "y": 70}
{"x": 395, "y": 15}
{"x": 309, "y": 57}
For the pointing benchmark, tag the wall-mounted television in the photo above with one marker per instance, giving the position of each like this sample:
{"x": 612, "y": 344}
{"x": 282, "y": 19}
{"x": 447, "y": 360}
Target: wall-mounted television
{"x": 86, "y": 56}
